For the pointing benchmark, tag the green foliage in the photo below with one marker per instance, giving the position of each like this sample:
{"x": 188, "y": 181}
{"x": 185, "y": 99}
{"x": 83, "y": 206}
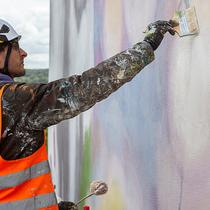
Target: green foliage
{"x": 34, "y": 76}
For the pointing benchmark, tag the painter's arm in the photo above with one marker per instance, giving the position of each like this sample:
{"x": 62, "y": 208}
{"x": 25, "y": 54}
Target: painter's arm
{"x": 48, "y": 104}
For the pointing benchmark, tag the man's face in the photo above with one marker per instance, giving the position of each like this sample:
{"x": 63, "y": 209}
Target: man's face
{"x": 16, "y": 61}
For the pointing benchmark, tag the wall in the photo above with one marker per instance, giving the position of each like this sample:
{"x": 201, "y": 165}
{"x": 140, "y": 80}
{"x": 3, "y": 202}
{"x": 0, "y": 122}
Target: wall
{"x": 71, "y": 51}
{"x": 150, "y": 140}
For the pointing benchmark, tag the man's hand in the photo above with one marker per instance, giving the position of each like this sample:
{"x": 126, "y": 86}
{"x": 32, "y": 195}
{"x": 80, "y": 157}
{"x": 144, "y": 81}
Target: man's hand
{"x": 155, "y": 32}
{"x": 65, "y": 205}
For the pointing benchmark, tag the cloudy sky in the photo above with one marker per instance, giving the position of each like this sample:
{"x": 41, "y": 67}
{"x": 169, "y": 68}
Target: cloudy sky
{"x": 30, "y": 18}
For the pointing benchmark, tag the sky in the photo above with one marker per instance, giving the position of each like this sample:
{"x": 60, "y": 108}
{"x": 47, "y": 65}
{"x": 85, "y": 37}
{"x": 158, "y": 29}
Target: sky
{"x": 30, "y": 18}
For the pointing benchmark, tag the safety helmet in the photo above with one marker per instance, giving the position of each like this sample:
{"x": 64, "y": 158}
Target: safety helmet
{"x": 7, "y": 32}
{"x": 8, "y": 36}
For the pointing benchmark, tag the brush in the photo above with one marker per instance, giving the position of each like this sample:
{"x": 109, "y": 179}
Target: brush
{"x": 188, "y": 22}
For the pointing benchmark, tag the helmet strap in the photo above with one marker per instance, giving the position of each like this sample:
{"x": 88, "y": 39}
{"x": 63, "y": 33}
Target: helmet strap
{"x": 5, "y": 69}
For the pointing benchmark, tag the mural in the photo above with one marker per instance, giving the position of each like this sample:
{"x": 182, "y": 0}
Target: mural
{"x": 150, "y": 140}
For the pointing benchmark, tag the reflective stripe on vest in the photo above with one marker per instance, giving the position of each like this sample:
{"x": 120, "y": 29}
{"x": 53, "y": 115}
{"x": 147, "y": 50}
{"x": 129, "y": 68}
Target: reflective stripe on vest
{"x": 37, "y": 202}
{"x": 18, "y": 178}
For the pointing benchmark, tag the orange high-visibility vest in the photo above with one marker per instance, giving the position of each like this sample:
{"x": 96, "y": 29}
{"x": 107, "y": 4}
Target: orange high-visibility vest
{"x": 26, "y": 183}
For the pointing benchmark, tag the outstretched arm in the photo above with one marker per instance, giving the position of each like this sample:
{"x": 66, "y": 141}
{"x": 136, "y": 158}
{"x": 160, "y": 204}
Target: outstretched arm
{"x": 43, "y": 105}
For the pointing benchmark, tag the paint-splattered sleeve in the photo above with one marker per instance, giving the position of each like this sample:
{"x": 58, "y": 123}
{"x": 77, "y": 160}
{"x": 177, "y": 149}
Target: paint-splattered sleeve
{"x": 44, "y": 105}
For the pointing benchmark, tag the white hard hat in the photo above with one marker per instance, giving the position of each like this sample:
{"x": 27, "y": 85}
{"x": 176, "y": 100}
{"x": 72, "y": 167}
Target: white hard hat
{"x": 8, "y": 36}
{"x": 7, "y": 32}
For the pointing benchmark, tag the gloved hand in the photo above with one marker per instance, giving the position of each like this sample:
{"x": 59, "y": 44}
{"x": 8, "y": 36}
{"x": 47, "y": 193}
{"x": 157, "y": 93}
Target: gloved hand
{"x": 65, "y": 205}
{"x": 155, "y": 32}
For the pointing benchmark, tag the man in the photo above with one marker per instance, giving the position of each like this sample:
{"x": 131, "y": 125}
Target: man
{"x": 28, "y": 109}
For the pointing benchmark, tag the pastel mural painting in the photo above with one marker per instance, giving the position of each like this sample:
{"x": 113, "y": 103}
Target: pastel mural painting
{"x": 150, "y": 140}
